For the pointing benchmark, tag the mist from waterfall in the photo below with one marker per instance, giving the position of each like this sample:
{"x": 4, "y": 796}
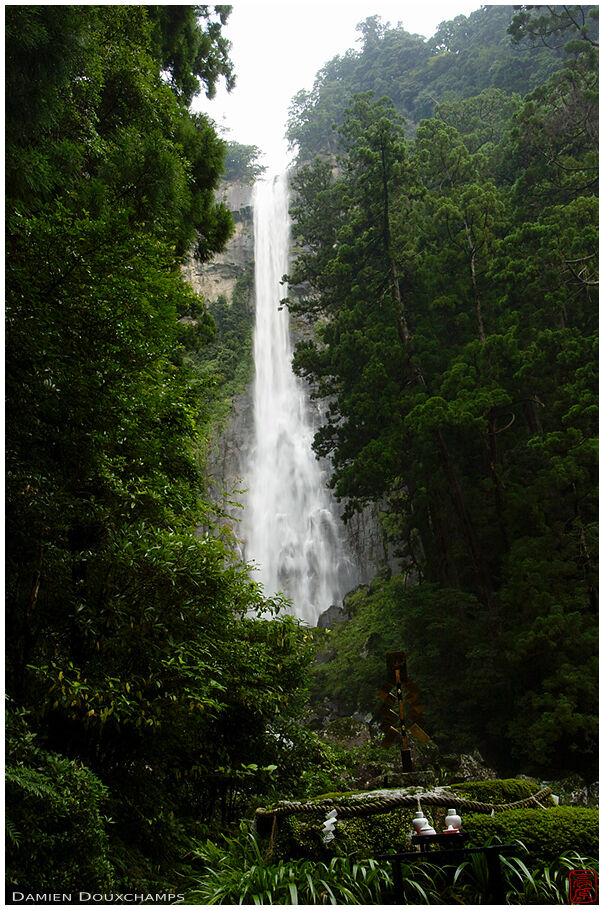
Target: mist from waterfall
{"x": 289, "y": 527}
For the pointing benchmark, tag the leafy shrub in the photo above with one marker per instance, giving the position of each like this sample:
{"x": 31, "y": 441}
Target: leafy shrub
{"x": 241, "y": 871}
{"x": 548, "y": 883}
{"x": 547, "y": 834}
{"x": 237, "y": 872}
{"x": 351, "y": 682}
{"x": 428, "y": 622}
{"x": 356, "y": 837}
{"x": 525, "y": 881}
{"x": 56, "y": 837}
{"x": 242, "y": 162}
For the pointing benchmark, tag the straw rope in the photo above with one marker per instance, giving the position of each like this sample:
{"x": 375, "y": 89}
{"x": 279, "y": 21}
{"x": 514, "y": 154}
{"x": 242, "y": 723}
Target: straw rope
{"x": 378, "y": 804}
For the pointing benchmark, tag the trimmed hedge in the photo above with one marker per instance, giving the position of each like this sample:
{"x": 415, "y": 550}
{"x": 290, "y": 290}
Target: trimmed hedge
{"x": 546, "y": 833}
{"x": 300, "y": 837}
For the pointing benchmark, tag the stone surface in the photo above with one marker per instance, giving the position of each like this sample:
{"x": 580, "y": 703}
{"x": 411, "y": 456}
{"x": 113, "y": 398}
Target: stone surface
{"x": 574, "y": 791}
{"x": 219, "y": 276}
{"x": 229, "y": 452}
{"x": 367, "y": 544}
{"x": 324, "y": 656}
{"x": 467, "y": 767}
{"x": 368, "y": 776}
{"x": 365, "y": 717}
{"x": 373, "y": 645}
{"x": 331, "y": 617}
{"x": 347, "y": 731}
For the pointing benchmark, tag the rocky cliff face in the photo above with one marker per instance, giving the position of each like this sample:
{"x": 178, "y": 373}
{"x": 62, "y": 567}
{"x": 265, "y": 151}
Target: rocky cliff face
{"x": 227, "y": 458}
{"x": 219, "y": 276}
{"x": 229, "y": 449}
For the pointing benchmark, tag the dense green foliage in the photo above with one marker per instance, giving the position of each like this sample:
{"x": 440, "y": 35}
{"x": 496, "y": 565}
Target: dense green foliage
{"x": 242, "y": 162}
{"x": 155, "y": 698}
{"x": 240, "y": 871}
{"x": 215, "y": 351}
{"x": 189, "y": 53}
{"x": 243, "y": 870}
{"x": 154, "y": 693}
{"x": 465, "y": 56}
{"x": 373, "y": 629}
{"x": 230, "y": 357}
{"x": 56, "y": 837}
{"x": 452, "y": 284}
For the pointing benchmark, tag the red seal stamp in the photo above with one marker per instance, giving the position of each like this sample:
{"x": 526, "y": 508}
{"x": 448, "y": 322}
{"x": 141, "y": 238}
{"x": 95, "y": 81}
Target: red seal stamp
{"x": 583, "y": 886}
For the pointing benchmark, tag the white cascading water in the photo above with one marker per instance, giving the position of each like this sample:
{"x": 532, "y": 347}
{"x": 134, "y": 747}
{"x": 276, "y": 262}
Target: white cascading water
{"x": 291, "y": 534}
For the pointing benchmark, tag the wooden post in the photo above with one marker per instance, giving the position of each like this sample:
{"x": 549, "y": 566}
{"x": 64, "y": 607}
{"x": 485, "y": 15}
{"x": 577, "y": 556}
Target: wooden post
{"x": 405, "y": 750}
{"x": 397, "y": 879}
{"x": 397, "y": 675}
{"x": 496, "y": 883}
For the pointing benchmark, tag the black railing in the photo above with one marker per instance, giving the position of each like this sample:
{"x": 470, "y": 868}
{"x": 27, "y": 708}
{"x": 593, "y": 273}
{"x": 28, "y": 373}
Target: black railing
{"x": 450, "y": 854}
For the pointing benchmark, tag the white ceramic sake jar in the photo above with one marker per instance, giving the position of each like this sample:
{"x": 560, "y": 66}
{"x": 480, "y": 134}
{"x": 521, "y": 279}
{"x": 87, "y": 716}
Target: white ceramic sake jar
{"x": 453, "y": 820}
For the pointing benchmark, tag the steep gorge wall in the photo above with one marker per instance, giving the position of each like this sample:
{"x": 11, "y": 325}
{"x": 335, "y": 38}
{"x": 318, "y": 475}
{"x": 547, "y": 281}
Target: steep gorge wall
{"x": 220, "y": 275}
{"x": 229, "y": 449}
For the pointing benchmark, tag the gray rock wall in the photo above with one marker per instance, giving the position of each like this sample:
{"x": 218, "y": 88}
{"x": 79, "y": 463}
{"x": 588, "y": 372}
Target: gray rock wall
{"x": 211, "y": 279}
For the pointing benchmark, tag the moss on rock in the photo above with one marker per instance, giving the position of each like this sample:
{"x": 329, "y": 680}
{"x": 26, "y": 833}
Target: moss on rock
{"x": 499, "y": 791}
{"x": 358, "y": 837}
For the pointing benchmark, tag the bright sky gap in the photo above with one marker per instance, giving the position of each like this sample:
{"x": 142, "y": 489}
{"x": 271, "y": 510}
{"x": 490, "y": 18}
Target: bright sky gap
{"x": 278, "y": 48}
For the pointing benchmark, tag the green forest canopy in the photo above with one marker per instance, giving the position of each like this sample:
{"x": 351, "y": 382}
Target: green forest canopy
{"x": 131, "y": 652}
{"x": 464, "y": 57}
{"x": 451, "y": 279}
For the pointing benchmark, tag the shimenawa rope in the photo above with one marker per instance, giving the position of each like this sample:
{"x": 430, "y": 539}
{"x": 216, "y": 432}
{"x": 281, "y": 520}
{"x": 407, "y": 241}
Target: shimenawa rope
{"x": 375, "y": 805}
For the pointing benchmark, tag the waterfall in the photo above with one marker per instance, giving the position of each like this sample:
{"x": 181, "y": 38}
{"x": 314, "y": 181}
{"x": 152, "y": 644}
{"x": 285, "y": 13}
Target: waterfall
{"x": 290, "y": 531}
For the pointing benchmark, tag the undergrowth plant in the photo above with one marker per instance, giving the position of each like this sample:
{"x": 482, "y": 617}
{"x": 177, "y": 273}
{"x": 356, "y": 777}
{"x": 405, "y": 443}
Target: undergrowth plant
{"x": 240, "y": 870}
{"x": 548, "y": 883}
{"x": 56, "y": 823}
